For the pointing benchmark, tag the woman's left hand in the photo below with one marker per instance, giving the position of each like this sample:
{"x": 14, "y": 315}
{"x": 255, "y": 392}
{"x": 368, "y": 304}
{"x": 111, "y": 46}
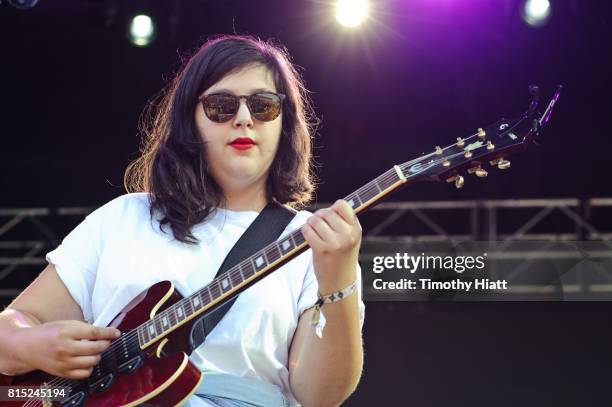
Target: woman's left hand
{"x": 334, "y": 234}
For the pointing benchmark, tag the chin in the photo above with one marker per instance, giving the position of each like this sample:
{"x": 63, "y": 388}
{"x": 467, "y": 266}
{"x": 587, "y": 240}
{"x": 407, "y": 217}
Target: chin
{"x": 246, "y": 175}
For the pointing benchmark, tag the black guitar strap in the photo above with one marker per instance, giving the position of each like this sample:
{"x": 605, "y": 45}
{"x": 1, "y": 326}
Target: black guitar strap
{"x": 265, "y": 229}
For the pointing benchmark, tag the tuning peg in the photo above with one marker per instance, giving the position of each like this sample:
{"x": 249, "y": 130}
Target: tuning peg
{"x": 438, "y": 150}
{"x": 446, "y": 163}
{"x": 478, "y": 171}
{"x": 481, "y": 133}
{"x": 460, "y": 142}
{"x": 490, "y": 146}
{"x": 467, "y": 154}
{"x": 458, "y": 179}
{"x": 503, "y": 164}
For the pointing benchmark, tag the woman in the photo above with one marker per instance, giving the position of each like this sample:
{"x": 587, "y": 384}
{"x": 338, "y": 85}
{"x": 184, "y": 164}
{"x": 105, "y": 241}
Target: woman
{"x": 232, "y": 133}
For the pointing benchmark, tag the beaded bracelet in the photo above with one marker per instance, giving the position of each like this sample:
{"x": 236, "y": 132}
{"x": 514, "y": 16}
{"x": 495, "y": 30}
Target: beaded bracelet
{"x": 318, "y": 319}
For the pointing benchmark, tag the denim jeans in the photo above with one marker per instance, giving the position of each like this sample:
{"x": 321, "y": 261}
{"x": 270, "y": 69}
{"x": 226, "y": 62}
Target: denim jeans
{"x": 223, "y": 390}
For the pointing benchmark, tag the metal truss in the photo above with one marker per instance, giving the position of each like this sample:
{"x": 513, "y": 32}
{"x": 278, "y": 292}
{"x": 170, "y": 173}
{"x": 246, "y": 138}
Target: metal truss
{"x": 27, "y": 234}
{"x": 485, "y": 220}
{"x": 509, "y": 223}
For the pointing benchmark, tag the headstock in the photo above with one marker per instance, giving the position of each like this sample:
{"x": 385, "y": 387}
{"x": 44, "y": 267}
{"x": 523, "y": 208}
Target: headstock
{"x": 491, "y": 144}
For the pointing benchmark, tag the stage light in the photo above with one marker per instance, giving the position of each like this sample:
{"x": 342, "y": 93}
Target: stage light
{"x": 351, "y": 13}
{"x": 536, "y": 12}
{"x": 141, "y": 31}
{"x": 22, "y": 4}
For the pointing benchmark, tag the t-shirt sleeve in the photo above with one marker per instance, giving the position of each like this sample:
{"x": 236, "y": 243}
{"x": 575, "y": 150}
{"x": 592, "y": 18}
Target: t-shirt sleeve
{"x": 76, "y": 261}
{"x": 309, "y": 295}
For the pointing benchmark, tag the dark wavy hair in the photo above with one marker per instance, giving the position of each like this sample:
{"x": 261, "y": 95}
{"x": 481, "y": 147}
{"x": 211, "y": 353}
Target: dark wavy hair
{"x": 172, "y": 166}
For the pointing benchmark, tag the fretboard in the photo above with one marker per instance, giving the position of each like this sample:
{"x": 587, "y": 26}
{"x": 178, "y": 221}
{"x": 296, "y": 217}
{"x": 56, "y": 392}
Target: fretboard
{"x": 255, "y": 267}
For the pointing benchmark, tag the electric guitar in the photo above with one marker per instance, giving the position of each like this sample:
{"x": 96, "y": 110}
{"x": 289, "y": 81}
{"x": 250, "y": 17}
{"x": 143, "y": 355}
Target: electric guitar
{"x": 148, "y": 364}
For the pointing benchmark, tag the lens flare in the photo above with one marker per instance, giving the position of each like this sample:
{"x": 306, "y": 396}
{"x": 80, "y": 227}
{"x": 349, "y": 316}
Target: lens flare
{"x": 351, "y": 13}
{"x": 536, "y": 12}
{"x": 142, "y": 30}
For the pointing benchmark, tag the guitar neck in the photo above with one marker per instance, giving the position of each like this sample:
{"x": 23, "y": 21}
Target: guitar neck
{"x": 246, "y": 273}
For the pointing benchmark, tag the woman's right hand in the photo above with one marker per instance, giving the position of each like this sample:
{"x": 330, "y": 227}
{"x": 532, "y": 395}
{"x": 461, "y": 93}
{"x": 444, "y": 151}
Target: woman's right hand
{"x": 69, "y": 349}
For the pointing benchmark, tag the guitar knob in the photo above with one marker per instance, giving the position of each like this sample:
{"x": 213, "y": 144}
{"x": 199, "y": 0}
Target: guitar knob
{"x": 458, "y": 179}
{"x": 459, "y": 182}
{"x": 481, "y": 173}
{"x": 503, "y": 164}
{"x": 478, "y": 171}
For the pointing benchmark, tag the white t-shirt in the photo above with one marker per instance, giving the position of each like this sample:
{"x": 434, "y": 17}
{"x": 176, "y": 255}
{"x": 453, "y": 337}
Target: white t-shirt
{"x": 117, "y": 252}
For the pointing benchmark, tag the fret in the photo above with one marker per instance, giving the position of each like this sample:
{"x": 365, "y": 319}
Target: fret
{"x": 210, "y": 295}
{"x": 248, "y": 268}
{"x": 141, "y": 338}
{"x": 292, "y": 236}
{"x": 362, "y": 196}
{"x": 235, "y": 276}
{"x": 298, "y": 238}
{"x": 145, "y": 332}
{"x": 208, "y": 298}
{"x": 240, "y": 270}
{"x": 273, "y": 253}
{"x": 369, "y": 191}
{"x": 214, "y": 289}
{"x": 145, "y": 337}
{"x": 377, "y": 186}
{"x": 187, "y": 307}
{"x": 157, "y": 323}
{"x": 172, "y": 316}
{"x": 218, "y": 288}
{"x": 389, "y": 178}
{"x": 354, "y": 200}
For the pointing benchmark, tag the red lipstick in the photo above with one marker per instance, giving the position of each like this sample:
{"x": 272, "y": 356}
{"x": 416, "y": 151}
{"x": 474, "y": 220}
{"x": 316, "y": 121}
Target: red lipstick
{"x": 242, "y": 143}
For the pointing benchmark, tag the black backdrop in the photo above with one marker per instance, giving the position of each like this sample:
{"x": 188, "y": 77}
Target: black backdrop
{"x": 419, "y": 74}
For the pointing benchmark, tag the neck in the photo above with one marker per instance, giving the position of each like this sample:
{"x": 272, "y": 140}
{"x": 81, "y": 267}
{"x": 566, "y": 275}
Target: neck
{"x": 251, "y": 198}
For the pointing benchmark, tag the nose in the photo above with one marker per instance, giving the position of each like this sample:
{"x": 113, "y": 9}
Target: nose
{"x": 243, "y": 116}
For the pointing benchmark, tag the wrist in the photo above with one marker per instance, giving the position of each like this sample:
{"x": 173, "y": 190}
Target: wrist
{"x": 328, "y": 287}
{"x": 336, "y": 279}
{"x": 21, "y": 350}
{"x": 14, "y": 354}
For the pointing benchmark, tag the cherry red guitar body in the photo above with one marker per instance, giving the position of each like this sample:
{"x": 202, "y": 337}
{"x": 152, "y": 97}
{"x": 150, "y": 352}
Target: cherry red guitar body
{"x": 165, "y": 376}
